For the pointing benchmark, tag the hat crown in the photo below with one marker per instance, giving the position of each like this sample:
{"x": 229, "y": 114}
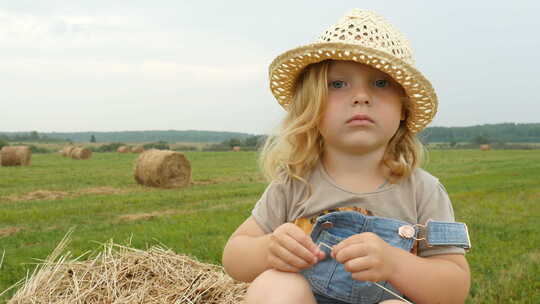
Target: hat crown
{"x": 368, "y": 29}
{"x": 365, "y": 37}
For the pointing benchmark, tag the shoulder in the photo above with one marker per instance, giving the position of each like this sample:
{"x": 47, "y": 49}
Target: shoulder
{"x": 422, "y": 181}
{"x": 287, "y": 186}
{"x": 432, "y": 199}
{"x": 423, "y": 177}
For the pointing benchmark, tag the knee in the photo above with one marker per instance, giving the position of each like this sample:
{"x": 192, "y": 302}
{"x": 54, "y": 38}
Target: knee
{"x": 273, "y": 286}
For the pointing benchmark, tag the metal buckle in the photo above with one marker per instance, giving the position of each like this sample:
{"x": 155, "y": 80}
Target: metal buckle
{"x": 410, "y": 231}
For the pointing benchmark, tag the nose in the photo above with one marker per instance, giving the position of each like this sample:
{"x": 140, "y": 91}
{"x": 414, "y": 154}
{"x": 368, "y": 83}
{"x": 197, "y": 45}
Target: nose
{"x": 361, "y": 97}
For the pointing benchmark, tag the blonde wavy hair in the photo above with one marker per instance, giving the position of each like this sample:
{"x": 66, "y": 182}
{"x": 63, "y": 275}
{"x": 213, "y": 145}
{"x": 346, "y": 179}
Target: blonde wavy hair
{"x": 297, "y": 147}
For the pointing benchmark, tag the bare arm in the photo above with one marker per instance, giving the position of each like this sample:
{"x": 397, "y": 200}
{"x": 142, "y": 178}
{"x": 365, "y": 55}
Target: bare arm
{"x": 249, "y": 251}
{"x": 245, "y": 254}
{"x": 435, "y": 279}
{"x": 438, "y": 279}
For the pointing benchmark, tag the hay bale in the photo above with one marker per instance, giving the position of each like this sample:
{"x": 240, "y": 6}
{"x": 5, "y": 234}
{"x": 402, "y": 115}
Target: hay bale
{"x": 138, "y": 149}
{"x": 485, "y": 147}
{"x": 66, "y": 151}
{"x": 15, "y": 156}
{"x": 120, "y": 274}
{"x": 123, "y": 149}
{"x": 81, "y": 153}
{"x": 163, "y": 168}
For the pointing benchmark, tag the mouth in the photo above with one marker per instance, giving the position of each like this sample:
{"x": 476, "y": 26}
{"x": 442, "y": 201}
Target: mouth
{"x": 360, "y": 119}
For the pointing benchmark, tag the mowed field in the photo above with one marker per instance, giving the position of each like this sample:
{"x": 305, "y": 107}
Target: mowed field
{"x": 497, "y": 193}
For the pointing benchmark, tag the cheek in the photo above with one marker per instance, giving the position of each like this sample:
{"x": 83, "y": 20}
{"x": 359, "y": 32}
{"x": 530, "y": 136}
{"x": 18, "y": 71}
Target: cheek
{"x": 395, "y": 113}
{"x": 328, "y": 121}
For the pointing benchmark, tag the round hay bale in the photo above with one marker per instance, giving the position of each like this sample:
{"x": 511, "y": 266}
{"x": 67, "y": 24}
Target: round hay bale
{"x": 123, "y": 149}
{"x": 138, "y": 149}
{"x": 81, "y": 153}
{"x": 15, "y": 156}
{"x": 66, "y": 151}
{"x": 163, "y": 169}
{"x": 485, "y": 147}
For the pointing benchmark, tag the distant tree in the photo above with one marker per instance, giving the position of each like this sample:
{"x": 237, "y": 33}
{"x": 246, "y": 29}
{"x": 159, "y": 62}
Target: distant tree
{"x": 160, "y": 145}
{"x": 112, "y": 147}
{"x": 33, "y": 135}
{"x": 233, "y": 142}
{"x": 3, "y": 143}
{"x": 92, "y": 139}
{"x": 254, "y": 141}
{"x": 481, "y": 140}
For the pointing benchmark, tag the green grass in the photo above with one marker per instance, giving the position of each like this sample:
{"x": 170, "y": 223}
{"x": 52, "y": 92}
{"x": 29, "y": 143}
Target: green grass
{"x": 496, "y": 193}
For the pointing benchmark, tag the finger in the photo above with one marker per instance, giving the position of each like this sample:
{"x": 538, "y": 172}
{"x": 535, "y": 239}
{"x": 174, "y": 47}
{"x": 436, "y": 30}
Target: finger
{"x": 297, "y": 249}
{"x": 301, "y": 237}
{"x": 352, "y": 251}
{"x": 357, "y": 264}
{"x": 278, "y": 264}
{"x": 288, "y": 257}
{"x": 343, "y": 244}
{"x": 360, "y": 238}
{"x": 320, "y": 255}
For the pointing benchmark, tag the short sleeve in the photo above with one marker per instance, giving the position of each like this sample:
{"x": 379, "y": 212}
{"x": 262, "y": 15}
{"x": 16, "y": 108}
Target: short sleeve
{"x": 271, "y": 209}
{"x": 436, "y": 205}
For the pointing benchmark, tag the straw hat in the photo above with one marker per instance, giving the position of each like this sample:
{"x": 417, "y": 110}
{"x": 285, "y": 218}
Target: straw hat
{"x": 365, "y": 37}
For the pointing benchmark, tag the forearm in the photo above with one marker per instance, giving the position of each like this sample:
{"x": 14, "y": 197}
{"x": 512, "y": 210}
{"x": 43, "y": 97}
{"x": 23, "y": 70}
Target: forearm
{"x": 245, "y": 257}
{"x": 430, "y": 280}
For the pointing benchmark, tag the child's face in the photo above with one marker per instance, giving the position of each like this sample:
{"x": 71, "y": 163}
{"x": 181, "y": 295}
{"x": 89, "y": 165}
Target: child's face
{"x": 363, "y": 109}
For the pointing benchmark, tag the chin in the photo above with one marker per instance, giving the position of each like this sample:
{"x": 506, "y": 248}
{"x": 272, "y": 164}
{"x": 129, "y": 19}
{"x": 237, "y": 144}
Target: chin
{"x": 363, "y": 147}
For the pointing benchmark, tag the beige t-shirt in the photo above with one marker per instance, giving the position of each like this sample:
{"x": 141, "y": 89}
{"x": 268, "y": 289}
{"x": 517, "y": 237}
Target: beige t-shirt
{"x": 414, "y": 200}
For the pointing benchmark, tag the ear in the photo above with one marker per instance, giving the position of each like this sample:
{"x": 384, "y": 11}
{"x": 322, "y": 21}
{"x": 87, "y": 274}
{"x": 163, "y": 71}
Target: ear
{"x": 403, "y": 114}
{"x": 404, "y": 106}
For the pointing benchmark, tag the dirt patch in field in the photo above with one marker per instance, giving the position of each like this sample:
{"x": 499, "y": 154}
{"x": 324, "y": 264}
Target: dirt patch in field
{"x": 38, "y": 195}
{"x": 204, "y": 182}
{"x": 9, "y": 231}
{"x": 242, "y": 179}
{"x": 146, "y": 216}
{"x": 102, "y": 190}
{"x": 54, "y": 195}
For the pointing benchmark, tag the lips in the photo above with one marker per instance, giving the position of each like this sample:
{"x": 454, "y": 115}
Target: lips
{"x": 360, "y": 118}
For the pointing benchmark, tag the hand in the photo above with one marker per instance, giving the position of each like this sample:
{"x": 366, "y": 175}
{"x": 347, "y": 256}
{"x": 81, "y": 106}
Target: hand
{"x": 291, "y": 250}
{"x": 366, "y": 256}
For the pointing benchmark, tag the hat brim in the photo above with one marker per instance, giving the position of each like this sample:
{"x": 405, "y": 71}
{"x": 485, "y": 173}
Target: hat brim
{"x": 286, "y": 68}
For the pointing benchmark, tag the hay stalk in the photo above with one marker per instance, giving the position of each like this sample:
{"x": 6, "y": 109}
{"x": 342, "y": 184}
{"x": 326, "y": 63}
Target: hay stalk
{"x": 120, "y": 274}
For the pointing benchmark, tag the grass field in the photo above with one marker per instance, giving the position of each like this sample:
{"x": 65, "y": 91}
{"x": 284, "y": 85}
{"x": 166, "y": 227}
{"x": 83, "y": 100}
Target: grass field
{"x": 497, "y": 193}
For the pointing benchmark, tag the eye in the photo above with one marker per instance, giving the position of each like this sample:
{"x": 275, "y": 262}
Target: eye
{"x": 381, "y": 83}
{"x": 337, "y": 84}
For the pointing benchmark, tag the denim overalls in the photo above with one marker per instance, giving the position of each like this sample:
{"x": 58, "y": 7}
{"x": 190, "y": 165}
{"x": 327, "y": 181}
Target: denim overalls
{"x": 329, "y": 279}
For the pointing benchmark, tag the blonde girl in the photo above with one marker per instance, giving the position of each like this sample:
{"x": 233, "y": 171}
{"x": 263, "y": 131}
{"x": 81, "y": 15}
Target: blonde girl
{"x": 349, "y": 217}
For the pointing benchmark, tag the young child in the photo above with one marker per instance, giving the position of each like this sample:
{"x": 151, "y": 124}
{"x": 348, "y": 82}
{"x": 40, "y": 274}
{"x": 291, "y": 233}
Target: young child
{"x": 349, "y": 217}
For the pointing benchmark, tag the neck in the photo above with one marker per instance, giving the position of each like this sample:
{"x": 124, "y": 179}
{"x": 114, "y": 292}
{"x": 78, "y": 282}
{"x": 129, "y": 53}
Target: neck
{"x": 358, "y": 172}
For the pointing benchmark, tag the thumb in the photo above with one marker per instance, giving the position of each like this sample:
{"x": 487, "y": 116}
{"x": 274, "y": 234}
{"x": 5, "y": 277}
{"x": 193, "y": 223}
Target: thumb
{"x": 317, "y": 251}
{"x": 320, "y": 255}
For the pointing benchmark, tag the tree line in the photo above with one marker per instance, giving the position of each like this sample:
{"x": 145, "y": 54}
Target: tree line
{"x": 481, "y": 134}
{"x": 484, "y": 134}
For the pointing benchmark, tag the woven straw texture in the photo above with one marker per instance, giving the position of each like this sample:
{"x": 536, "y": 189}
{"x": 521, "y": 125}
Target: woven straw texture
{"x": 365, "y": 37}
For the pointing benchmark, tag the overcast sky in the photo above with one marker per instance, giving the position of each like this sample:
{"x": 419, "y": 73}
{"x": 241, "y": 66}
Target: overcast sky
{"x": 103, "y": 65}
